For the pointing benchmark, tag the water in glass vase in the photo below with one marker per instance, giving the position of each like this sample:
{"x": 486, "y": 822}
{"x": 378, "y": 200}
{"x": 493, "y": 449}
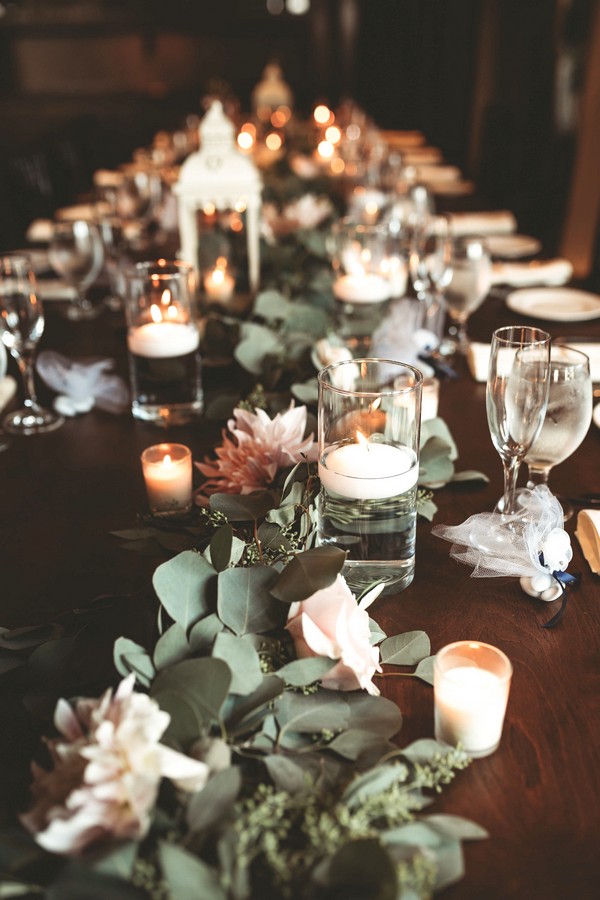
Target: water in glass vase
{"x": 370, "y": 513}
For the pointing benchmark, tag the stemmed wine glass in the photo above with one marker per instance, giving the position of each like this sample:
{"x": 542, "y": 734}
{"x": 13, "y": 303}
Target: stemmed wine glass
{"x": 21, "y": 327}
{"x": 516, "y": 399}
{"x": 431, "y": 264}
{"x": 568, "y": 415}
{"x": 468, "y": 288}
{"x": 76, "y": 253}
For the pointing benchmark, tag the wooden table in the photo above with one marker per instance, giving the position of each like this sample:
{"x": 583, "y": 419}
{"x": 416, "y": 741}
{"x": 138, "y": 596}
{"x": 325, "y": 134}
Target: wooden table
{"x": 538, "y": 795}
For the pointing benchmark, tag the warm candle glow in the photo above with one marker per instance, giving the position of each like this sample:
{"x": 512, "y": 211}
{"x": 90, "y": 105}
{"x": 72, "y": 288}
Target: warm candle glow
{"x": 166, "y": 297}
{"x": 155, "y": 313}
{"x": 333, "y": 134}
{"x": 361, "y": 440}
{"x": 325, "y": 150}
{"x": 337, "y": 165}
{"x": 245, "y": 140}
{"x": 166, "y": 460}
{"x": 323, "y": 115}
{"x": 273, "y": 141}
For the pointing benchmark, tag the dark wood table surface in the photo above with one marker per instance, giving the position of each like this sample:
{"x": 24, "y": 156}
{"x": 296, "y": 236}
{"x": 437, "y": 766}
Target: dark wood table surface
{"x": 538, "y": 795}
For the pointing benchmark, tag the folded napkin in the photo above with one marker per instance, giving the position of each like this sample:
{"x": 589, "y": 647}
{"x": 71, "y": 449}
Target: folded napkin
{"x": 54, "y": 289}
{"x": 8, "y": 389}
{"x": 501, "y": 222}
{"x": 39, "y": 231}
{"x": 434, "y": 173}
{"x": 552, "y": 272}
{"x": 80, "y": 385}
{"x": 588, "y": 535}
{"x": 478, "y": 358}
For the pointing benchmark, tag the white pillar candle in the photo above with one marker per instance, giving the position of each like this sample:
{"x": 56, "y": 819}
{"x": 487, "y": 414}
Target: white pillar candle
{"x": 219, "y": 285}
{"x": 367, "y": 288}
{"x": 430, "y": 395}
{"x": 368, "y": 471}
{"x": 167, "y": 472}
{"x": 160, "y": 340}
{"x": 471, "y": 682}
{"x": 395, "y": 270}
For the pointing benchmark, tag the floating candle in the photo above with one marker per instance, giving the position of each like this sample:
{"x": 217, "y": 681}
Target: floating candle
{"x": 367, "y": 288}
{"x": 368, "y": 471}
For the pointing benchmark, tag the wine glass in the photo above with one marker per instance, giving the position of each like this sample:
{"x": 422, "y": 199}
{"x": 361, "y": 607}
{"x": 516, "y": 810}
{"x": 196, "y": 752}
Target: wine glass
{"x": 21, "y": 327}
{"x": 568, "y": 416}
{"x": 76, "y": 253}
{"x": 470, "y": 283}
{"x": 516, "y": 399}
{"x": 431, "y": 265}
{"x": 113, "y": 243}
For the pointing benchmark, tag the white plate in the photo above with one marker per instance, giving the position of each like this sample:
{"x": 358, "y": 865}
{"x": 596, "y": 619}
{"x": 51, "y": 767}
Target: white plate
{"x": 512, "y": 246}
{"x": 596, "y": 415}
{"x": 555, "y": 304}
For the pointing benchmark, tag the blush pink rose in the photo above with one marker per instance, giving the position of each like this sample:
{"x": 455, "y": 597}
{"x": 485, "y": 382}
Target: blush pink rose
{"x": 331, "y": 623}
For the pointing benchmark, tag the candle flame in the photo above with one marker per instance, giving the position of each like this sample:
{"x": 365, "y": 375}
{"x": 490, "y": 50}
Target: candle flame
{"x": 172, "y": 312}
{"x": 374, "y": 405}
{"x": 218, "y": 276}
{"x": 155, "y": 313}
{"x": 166, "y": 297}
{"x": 361, "y": 439}
{"x": 221, "y": 262}
{"x": 167, "y": 460}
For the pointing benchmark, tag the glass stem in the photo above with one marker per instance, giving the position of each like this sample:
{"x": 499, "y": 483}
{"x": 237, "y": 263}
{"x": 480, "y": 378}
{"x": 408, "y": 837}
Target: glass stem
{"x": 537, "y": 475}
{"x": 511, "y": 472}
{"x": 25, "y": 364}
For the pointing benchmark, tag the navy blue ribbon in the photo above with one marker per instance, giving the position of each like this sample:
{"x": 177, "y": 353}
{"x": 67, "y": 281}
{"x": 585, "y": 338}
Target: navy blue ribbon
{"x": 565, "y": 581}
{"x": 442, "y": 370}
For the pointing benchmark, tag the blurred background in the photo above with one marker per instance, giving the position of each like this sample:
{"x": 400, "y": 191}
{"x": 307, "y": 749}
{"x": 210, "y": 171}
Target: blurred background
{"x": 508, "y": 90}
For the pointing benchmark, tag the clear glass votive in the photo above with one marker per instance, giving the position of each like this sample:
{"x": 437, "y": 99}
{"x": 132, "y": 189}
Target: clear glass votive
{"x": 163, "y": 340}
{"x": 368, "y": 467}
{"x": 364, "y": 268}
{"x": 167, "y": 470}
{"x": 471, "y": 687}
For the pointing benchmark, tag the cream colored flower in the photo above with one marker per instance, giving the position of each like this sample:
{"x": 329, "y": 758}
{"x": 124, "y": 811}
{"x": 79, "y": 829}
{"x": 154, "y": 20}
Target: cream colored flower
{"x": 331, "y": 623}
{"x": 106, "y": 772}
{"x": 254, "y": 449}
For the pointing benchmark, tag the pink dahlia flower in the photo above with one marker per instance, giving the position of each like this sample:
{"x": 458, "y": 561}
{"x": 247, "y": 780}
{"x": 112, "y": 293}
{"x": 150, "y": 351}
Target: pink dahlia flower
{"x": 106, "y": 771}
{"x": 255, "y": 448}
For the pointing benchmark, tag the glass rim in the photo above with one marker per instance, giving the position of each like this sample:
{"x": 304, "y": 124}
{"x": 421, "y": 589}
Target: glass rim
{"x": 388, "y": 391}
{"x": 543, "y": 339}
{"x": 448, "y": 648}
{"x": 159, "y": 268}
{"x": 583, "y": 358}
{"x": 182, "y": 449}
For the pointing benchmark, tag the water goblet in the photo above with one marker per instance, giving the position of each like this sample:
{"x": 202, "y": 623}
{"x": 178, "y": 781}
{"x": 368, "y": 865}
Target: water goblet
{"x": 76, "y": 253}
{"x": 21, "y": 327}
{"x": 468, "y": 287}
{"x": 567, "y": 418}
{"x": 431, "y": 262}
{"x": 516, "y": 399}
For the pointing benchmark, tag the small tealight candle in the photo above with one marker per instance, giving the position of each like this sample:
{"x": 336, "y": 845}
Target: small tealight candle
{"x": 219, "y": 284}
{"x": 471, "y": 687}
{"x": 167, "y": 472}
{"x": 367, "y": 470}
{"x": 366, "y": 288}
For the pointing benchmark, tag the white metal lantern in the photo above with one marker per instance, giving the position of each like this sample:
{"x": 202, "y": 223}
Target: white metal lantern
{"x": 219, "y": 176}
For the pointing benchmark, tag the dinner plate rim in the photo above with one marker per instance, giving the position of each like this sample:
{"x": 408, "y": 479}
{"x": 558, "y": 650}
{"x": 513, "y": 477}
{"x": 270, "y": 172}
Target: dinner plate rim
{"x": 514, "y": 301}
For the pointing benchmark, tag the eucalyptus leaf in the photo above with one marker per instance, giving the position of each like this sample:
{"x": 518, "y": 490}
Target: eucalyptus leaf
{"x": 450, "y": 864}
{"x": 415, "y": 834}
{"x": 470, "y": 475}
{"x": 424, "y": 670}
{"x": 18, "y": 889}
{"x": 376, "y": 781}
{"x": 377, "y": 714}
{"x": 238, "y": 708}
{"x": 302, "y": 672}
{"x": 272, "y": 306}
{"x": 456, "y": 827}
{"x": 312, "y": 712}
{"x": 203, "y": 683}
{"x": 286, "y": 774}
{"x": 220, "y": 547}
{"x": 437, "y": 428}
{"x": 425, "y": 750}
{"x": 405, "y": 649}
{"x": 211, "y": 805}
{"x": 426, "y": 509}
{"x": 28, "y": 636}
{"x": 222, "y": 407}
{"x": 187, "y": 720}
{"x": 187, "y": 877}
{"x": 243, "y": 661}
{"x": 182, "y": 585}
{"x": 135, "y": 534}
{"x": 203, "y": 634}
{"x": 244, "y": 603}
{"x": 131, "y": 657}
{"x": 435, "y": 465}
{"x": 282, "y": 515}
{"x": 255, "y": 346}
{"x": 9, "y": 661}
{"x": 354, "y": 742}
{"x": 377, "y": 635}
{"x": 117, "y": 860}
{"x": 309, "y": 572}
{"x": 363, "y": 868}
{"x": 242, "y": 507}
{"x": 171, "y": 647}
{"x": 306, "y": 392}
